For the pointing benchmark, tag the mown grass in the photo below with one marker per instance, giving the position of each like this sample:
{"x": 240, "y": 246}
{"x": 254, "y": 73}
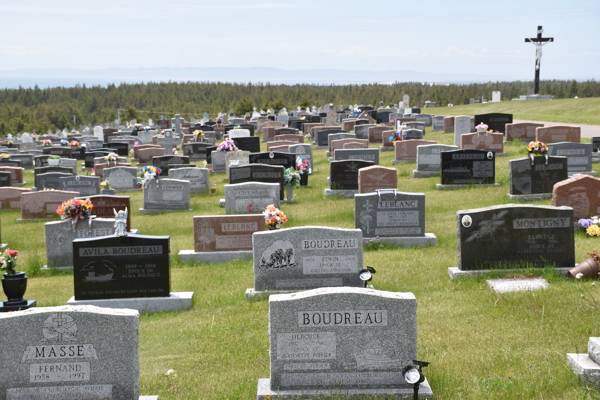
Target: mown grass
{"x": 576, "y": 111}
{"x": 481, "y": 345}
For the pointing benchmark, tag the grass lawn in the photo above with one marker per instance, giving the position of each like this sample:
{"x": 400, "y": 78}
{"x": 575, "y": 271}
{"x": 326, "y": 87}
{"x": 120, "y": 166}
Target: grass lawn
{"x": 576, "y": 111}
{"x": 481, "y": 345}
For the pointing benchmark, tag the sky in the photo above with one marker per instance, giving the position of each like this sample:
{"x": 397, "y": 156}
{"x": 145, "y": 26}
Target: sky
{"x": 474, "y": 37}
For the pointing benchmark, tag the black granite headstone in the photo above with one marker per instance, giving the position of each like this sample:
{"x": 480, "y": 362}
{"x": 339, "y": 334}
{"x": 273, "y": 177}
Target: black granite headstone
{"x": 163, "y": 162}
{"x": 40, "y": 161}
{"x": 285, "y": 131}
{"x": 48, "y": 169}
{"x": 63, "y": 152}
{"x": 119, "y": 148}
{"x": 515, "y": 236}
{"x": 50, "y": 180}
{"x": 258, "y": 173}
{"x": 250, "y": 127}
{"x": 5, "y": 179}
{"x": 7, "y": 162}
{"x": 468, "y": 167}
{"x": 383, "y": 117}
{"x": 362, "y": 122}
{"x": 89, "y": 157}
{"x": 525, "y": 178}
{"x": 251, "y": 144}
{"x": 595, "y": 144}
{"x": 209, "y": 150}
{"x": 286, "y": 160}
{"x": 322, "y": 136}
{"x": 343, "y": 174}
{"x": 113, "y": 267}
{"x": 195, "y": 150}
{"x": 494, "y": 121}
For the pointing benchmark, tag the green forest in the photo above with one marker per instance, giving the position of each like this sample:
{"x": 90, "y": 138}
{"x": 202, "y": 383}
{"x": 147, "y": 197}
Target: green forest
{"x": 39, "y": 110}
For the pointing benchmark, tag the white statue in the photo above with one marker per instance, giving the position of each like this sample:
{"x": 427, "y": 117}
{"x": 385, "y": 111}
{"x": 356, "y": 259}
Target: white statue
{"x": 120, "y": 222}
{"x": 538, "y": 53}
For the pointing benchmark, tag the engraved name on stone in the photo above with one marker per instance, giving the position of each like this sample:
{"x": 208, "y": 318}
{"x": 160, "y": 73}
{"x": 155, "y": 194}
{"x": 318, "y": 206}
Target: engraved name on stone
{"x": 306, "y": 346}
{"x": 468, "y": 156}
{"x": 238, "y": 226}
{"x": 343, "y": 378}
{"x": 266, "y": 175}
{"x": 343, "y": 318}
{"x": 399, "y": 204}
{"x": 120, "y": 251}
{"x": 84, "y": 392}
{"x": 258, "y": 193}
{"x": 305, "y": 283}
{"x": 306, "y": 366}
{"x": 320, "y": 244}
{"x": 93, "y": 233}
{"x": 329, "y": 265}
{"x": 566, "y": 152}
{"x": 541, "y": 223}
{"x": 542, "y": 167}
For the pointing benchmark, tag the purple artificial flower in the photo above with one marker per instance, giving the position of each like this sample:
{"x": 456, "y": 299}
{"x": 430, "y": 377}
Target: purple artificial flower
{"x": 584, "y": 223}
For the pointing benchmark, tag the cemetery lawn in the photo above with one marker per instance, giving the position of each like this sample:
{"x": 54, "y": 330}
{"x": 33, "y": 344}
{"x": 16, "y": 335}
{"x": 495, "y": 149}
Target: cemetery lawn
{"x": 481, "y": 345}
{"x": 575, "y": 111}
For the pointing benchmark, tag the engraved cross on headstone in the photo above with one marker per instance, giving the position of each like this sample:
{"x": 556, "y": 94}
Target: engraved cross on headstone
{"x": 169, "y": 142}
{"x": 538, "y": 41}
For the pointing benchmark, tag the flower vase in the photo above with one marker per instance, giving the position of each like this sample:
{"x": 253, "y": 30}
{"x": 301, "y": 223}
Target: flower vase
{"x": 111, "y": 191}
{"x": 14, "y": 286}
{"x": 272, "y": 228}
{"x": 588, "y": 268}
{"x": 304, "y": 179}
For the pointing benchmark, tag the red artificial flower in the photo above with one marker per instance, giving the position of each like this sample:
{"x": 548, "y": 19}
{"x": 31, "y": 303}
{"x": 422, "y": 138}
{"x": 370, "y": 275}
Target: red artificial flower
{"x": 12, "y": 253}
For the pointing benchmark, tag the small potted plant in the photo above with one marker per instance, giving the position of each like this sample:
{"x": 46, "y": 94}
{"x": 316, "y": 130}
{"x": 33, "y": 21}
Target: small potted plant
{"x": 54, "y": 160}
{"x": 303, "y": 169}
{"x": 14, "y": 283}
{"x": 274, "y": 218}
{"x": 47, "y": 143}
{"x": 227, "y": 145}
{"x": 587, "y": 268}
{"x": 74, "y": 143}
{"x": 75, "y": 209}
{"x": 213, "y": 188}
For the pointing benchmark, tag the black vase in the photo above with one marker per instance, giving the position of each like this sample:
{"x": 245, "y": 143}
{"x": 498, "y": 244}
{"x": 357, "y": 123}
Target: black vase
{"x": 14, "y": 286}
{"x": 304, "y": 179}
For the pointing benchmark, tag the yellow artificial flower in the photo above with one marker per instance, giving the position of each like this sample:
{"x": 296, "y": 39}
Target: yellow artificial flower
{"x": 593, "y": 230}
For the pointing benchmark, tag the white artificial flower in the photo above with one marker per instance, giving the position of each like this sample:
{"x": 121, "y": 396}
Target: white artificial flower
{"x": 579, "y": 276}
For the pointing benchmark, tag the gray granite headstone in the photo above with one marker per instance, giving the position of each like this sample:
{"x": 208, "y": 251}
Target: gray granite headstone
{"x": 50, "y": 180}
{"x": 429, "y": 157}
{"x": 218, "y": 161}
{"x": 250, "y": 197}
{"x": 70, "y": 352}
{"x": 121, "y": 177}
{"x": 438, "y": 123}
{"x": 306, "y": 257}
{"x": 362, "y": 131}
{"x": 85, "y": 185}
{"x": 338, "y": 136}
{"x": 25, "y": 159}
{"x": 341, "y": 339}
{"x": 579, "y": 156}
{"x": 198, "y": 178}
{"x": 462, "y": 124}
{"x": 59, "y": 236}
{"x": 166, "y": 195}
{"x": 304, "y": 151}
{"x": 357, "y": 154}
{"x": 389, "y": 213}
{"x": 424, "y": 118}
{"x": 69, "y": 163}
{"x": 515, "y": 236}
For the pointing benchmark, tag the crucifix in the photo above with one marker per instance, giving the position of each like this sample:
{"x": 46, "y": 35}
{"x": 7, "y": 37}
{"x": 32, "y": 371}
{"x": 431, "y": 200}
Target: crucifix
{"x": 538, "y": 41}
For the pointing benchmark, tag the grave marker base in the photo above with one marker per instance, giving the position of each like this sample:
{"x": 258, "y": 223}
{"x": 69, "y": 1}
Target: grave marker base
{"x": 425, "y": 174}
{"x": 347, "y": 194}
{"x": 213, "y": 257}
{"x": 264, "y": 392}
{"x": 455, "y": 273}
{"x": 253, "y": 294}
{"x": 527, "y": 197}
{"x": 4, "y": 308}
{"x": 440, "y": 186}
{"x": 175, "y": 302}
{"x": 125, "y": 190}
{"x": 585, "y": 368}
{"x": 404, "y": 161}
{"x": 18, "y": 183}
{"x": 572, "y": 174}
{"x": 517, "y": 285}
{"x": 387, "y": 148}
{"x": 20, "y": 220}
{"x": 144, "y": 211}
{"x": 323, "y": 148}
{"x": 415, "y": 241}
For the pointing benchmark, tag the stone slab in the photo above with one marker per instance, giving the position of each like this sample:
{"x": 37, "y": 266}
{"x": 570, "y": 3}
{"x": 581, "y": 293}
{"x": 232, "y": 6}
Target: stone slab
{"x": 455, "y": 273}
{"x": 424, "y": 174}
{"x": 417, "y": 241}
{"x": 213, "y": 257}
{"x": 529, "y": 197}
{"x": 347, "y": 194}
{"x": 177, "y": 301}
{"x": 585, "y": 368}
{"x": 439, "y": 186}
{"x": 517, "y": 285}
{"x": 264, "y": 392}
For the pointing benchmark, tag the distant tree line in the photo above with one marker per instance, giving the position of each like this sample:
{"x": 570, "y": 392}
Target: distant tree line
{"x": 43, "y": 109}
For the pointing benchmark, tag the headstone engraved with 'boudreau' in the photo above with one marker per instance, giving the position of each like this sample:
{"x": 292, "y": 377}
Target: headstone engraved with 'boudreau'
{"x": 341, "y": 341}
{"x": 57, "y": 353}
{"x": 306, "y": 257}
{"x": 515, "y": 236}
{"x": 468, "y": 167}
{"x": 537, "y": 177}
{"x": 116, "y": 267}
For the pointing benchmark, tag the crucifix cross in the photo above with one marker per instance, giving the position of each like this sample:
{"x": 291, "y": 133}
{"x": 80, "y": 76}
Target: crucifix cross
{"x": 178, "y": 124}
{"x": 538, "y": 41}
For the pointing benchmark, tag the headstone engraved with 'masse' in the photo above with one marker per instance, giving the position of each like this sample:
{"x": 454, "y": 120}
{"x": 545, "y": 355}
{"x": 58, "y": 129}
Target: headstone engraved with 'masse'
{"x": 42, "y": 205}
{"x": 250, "y": 197}
{"x": 223, "y": 238}
{"x": 535, "y": 179}
{"x": 429, "y": 160}
{"x": 305, "y": 257}
{"x": 67, "y": 352}
{"x": 258, "y": 173}
{"x": 166, "y": 194}
{"x": 393, "y": 216}
{"x": 59, "y": 236}
{"x": 579, "y": 156}
{"x": 341, "y": 342}
{"x": 514, "y": 236}
{"x": 468, "y": 167}
{"x": 581, "y": 192}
